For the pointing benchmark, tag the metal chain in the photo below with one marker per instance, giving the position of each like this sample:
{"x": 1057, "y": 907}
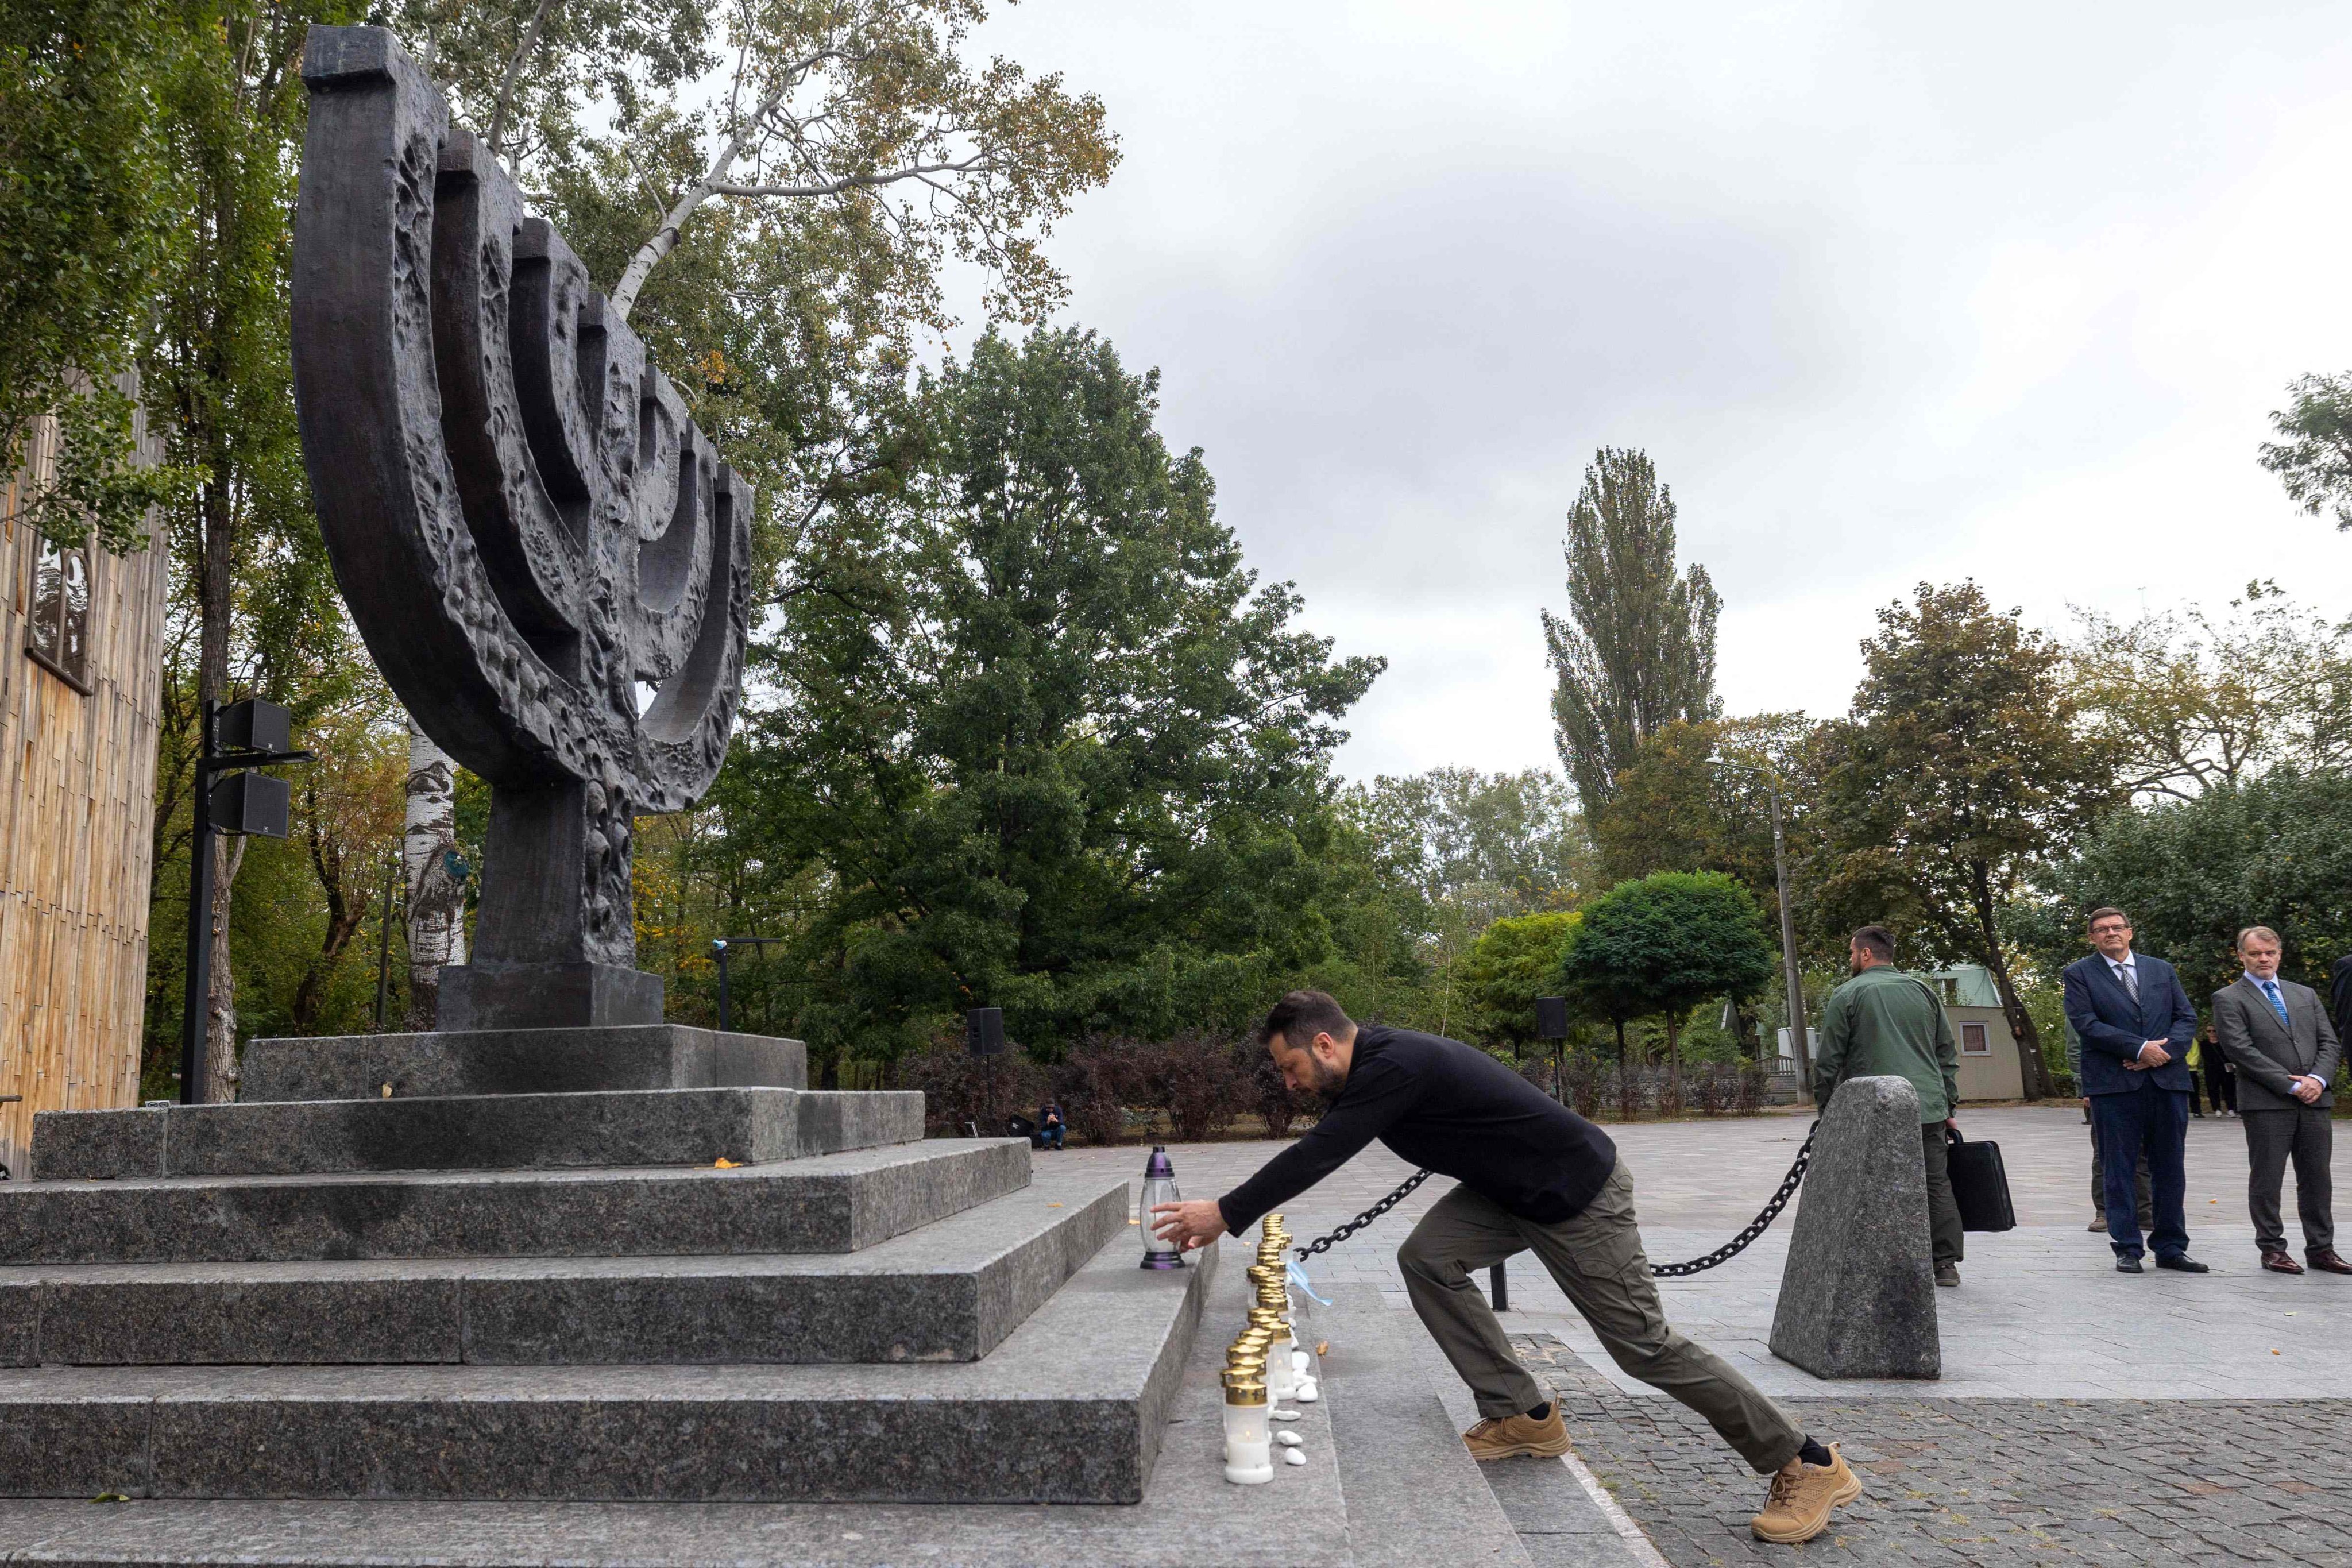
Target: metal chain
{"x": 1721, "y": 1254}
{"x": 1326, "y": 1243}
{"x": 1756, "y": 1227}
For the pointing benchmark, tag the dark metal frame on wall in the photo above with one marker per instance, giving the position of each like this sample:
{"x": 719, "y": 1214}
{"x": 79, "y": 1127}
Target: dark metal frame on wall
{"x": 525, "y": 524}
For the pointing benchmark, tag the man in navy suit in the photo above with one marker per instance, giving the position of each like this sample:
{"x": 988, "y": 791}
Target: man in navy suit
{"x": 2136, "y": 1023}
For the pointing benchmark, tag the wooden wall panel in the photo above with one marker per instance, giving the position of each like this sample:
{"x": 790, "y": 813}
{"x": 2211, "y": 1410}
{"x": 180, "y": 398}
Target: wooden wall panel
{"x": 77, "y": 820}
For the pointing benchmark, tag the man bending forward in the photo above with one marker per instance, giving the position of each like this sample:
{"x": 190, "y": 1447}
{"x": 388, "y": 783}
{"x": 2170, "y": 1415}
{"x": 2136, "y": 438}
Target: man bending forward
{"x": 1533, "y": 1176}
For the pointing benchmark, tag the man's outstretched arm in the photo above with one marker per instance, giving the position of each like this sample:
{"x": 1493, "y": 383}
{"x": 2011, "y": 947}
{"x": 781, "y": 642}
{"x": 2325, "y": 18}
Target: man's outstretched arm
{"x": 1330, "y": 1144}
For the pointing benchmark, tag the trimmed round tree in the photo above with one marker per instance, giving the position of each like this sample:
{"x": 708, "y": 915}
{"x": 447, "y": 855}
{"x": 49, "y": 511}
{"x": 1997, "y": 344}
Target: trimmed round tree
{"x": 1663, "y": 944}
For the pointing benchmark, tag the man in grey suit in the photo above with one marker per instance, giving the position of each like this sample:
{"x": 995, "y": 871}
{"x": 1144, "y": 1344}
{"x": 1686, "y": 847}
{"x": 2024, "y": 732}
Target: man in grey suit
{"x": 2278, "y": 1036}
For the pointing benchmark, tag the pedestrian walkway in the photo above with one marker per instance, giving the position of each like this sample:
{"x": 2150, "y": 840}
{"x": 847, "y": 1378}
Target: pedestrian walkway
{"x": 2084, "y": 1416}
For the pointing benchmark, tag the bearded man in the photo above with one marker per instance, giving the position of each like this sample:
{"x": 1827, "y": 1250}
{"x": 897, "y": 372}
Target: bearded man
{"x": 1533, "y": 1176}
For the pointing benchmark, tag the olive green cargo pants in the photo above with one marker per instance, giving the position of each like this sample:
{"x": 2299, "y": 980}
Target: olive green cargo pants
{"x": 1597, "y": 1259}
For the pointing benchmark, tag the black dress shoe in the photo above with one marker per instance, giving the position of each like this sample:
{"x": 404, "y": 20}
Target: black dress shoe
{"x": 2183, "y": 1263}
{"x": 2128, "y": 1265}
{"x": 2280, "y": 1263}
{"x": 2326, "y": 1260}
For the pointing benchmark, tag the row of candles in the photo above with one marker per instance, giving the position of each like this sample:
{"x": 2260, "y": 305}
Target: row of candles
{"x": 1261, "y": 1371}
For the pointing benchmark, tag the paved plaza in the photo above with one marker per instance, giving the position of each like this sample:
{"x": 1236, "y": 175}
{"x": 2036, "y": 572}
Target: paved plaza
{"x": 2083, "y": 1415}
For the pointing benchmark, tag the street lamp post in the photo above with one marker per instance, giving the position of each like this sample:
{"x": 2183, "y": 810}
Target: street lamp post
{"x": 250, "y": 734}
{"x": 1789, "y": 973}
{"x": 720, "y": 948}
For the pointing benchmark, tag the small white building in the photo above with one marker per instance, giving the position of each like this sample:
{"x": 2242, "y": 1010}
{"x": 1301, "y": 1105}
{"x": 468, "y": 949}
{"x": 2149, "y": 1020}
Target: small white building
{"x": 1989, "y": 1066}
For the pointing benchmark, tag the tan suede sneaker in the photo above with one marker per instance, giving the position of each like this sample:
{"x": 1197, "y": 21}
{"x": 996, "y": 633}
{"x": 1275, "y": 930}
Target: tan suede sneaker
{"x": 1510, "y": 1437}
{"x": 1802, "y": 1495}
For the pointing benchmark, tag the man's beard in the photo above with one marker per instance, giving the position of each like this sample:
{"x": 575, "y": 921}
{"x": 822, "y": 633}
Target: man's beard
{"x": 1328, "y": 1083}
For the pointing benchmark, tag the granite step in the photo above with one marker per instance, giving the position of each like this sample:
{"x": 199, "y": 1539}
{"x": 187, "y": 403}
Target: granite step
{"x": 487, "y": 1131}
{"x": 949, "y": 1292}
{"x": 1070, "y": 1409}
{"x": 830, "y": 1203}
{"x": 517, "y": 1061}
{"x": 1189, "y": 1514}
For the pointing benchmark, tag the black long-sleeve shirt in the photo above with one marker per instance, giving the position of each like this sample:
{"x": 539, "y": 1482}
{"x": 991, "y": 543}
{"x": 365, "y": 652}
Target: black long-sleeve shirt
{"x": 1439, "y": 1103}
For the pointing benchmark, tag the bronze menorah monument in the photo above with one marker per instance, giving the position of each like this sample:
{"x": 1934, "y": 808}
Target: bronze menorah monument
{"x": 527, "y": 526}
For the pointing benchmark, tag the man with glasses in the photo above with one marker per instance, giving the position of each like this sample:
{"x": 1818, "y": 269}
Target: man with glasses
{"x": 2278, "y": 1036}
{"x": 2136, "y": 1023}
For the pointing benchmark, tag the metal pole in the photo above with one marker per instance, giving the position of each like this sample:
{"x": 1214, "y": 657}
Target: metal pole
{"x": 1499, "y": 1286}
{"x": 722, "y": 947}
{"x": 383, "y": 943}
{"x": 196, "y": 1006}
{"x": 1797, "y": 1041}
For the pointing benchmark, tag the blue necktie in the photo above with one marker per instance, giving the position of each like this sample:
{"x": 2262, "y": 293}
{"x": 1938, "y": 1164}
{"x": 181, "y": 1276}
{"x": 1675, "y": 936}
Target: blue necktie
{"x": 2270, "y": 989}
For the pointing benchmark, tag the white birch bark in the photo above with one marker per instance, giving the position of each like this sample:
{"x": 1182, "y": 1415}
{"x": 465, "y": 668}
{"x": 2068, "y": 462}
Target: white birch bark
{"x": 437, "y": 897}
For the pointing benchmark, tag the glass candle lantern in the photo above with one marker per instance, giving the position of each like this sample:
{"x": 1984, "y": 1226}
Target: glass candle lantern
{"x": 1159, "y": 1187}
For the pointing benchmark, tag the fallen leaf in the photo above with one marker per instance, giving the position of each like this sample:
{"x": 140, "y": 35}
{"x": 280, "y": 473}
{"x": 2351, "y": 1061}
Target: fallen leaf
{"x": 724, "y": 1163}
{"x": 1052, "y": 1205}
{"x": 1322, "y": 1345}
{"x": 109, "y": 1496}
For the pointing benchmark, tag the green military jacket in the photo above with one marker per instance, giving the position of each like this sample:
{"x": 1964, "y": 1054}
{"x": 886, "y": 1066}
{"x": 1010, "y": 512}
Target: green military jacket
{"x": 1883, "y": 1021}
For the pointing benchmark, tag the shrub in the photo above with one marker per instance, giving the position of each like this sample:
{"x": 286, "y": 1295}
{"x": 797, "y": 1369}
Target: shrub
{"x": 960, "y": 1088}
{"x": 1629, "y": 1091}
{"x": 1093, "y": 1084}
{"x": 1274, "y": 1103}
{"x": 1747, "y": 1089}
{"x": 1197, "y": 1080}
{"x": 1584, "y": 1085}
{"x": 1710, "y": 1087}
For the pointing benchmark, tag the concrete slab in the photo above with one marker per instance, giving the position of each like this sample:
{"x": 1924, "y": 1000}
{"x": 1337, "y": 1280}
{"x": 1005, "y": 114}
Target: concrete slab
{"x": 835, "y": 1203}
{"x": 517, "y": 1061}
{"x": 1070, "y": 1408}
{"x": 490, "y": 1131}
{"x": 949, "y": 1292}
{"x": 1189, "y": 1517}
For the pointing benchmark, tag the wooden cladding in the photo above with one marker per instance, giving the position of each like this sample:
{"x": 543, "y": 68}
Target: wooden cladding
{"x": 81, "y": 689}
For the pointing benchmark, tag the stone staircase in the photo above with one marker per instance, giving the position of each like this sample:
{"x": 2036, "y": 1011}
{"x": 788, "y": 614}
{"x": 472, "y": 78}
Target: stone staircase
{"x": 511, "y": 1266}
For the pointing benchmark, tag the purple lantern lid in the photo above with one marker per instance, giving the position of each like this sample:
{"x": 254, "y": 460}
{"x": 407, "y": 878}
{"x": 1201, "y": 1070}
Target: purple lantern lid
{"x": 1158, "y": 1168}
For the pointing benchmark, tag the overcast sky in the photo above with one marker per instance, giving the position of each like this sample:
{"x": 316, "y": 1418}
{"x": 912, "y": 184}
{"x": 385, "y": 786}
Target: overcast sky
{"x": 1888, "y": 293}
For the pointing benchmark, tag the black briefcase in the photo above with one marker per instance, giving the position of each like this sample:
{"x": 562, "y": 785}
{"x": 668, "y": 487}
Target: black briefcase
{"x": 1979, "y": 1184}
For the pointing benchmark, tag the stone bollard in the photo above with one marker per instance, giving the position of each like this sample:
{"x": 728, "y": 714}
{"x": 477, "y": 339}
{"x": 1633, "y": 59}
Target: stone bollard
{"x": 1858, "y": 1296}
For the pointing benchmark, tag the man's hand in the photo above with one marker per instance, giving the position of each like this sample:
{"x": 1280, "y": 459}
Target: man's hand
{"x": 1189, "y": 1225}
{"x": 2154, "y": 1055}
{"x": 1951, "y": 1124}
{"x": 2308, "y": 1089}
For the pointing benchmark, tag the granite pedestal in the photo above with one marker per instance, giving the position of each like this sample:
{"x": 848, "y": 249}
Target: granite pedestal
{"x": 572, "y": 1266}
{"x": 1858, "y": 1293}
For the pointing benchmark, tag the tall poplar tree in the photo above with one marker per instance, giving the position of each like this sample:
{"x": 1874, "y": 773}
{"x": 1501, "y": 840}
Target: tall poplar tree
{"x": 1636, "y": 649}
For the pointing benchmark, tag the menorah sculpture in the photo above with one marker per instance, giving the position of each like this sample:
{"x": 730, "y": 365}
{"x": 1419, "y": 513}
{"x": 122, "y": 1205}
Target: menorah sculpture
{"x": 529, "y": 529}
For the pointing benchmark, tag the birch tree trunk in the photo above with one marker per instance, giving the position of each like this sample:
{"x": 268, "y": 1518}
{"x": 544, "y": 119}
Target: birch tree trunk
{"x": 436, "y": 896}
{"x": 219, "y": 1087}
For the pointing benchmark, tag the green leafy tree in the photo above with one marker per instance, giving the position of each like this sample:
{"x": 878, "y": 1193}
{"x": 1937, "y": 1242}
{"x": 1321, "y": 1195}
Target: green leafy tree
{"x": 1515, "y": 961}
{"x": 1450, "y": 831}
{"x": 2188, "y": 700}
{"x": 1636, "y": 649}
{"x": 1962, "y": 769}
{"x": 2275, "y": 851}
{"x": 1047, "y": 740}
{"x": 1664, "y": 944}
{"x": 2313, "y": 455}
{"x": 93, "y": 208}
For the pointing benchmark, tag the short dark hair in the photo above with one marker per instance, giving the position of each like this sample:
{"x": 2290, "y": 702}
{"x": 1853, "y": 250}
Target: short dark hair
{"x": 1301, "y": 1016}
{"x": 1876, "y": 941}
{"x": 2102, "y": 912}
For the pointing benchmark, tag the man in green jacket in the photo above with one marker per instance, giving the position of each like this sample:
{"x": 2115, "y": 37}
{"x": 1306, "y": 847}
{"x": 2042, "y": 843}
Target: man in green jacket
{"x": 1884, "y": 1021}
